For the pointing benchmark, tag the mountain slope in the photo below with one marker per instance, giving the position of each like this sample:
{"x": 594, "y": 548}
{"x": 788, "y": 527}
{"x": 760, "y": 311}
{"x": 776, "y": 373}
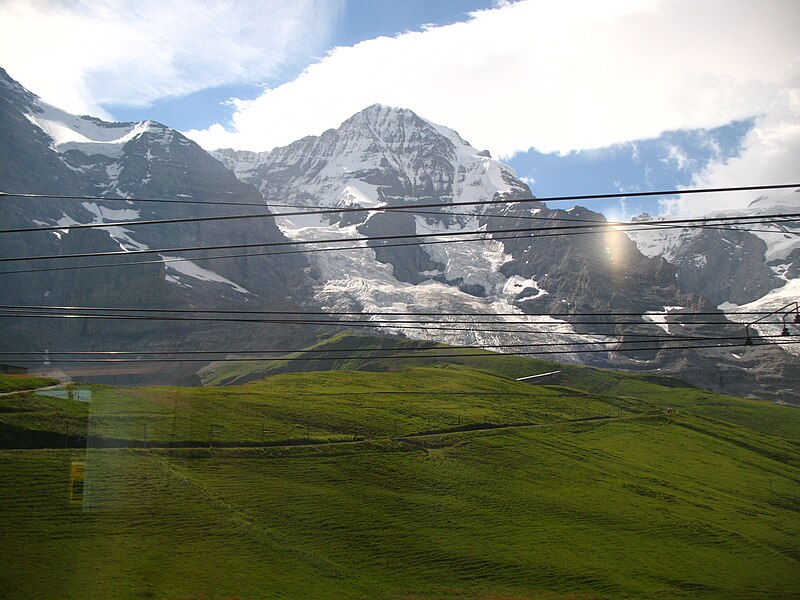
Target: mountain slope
{"x": 431, "y": 482}
{"x": 737, "y": 269}
{"x": 388, "y": 157}
{"x": 47, "y": 151}
{"x": 448, "y": 256}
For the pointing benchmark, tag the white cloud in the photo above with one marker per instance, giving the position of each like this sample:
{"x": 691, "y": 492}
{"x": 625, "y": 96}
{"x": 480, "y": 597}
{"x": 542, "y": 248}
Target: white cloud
{"x": 81, "y": 55}
{"x": 557, "y": 76}
{"x": 770, "y": 155}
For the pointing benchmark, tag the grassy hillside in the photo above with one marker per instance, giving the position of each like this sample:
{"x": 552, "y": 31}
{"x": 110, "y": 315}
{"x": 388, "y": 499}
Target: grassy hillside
{"x": 324, "y": 406}
{"x": 326, "y": 355}
{"x": 432, "y": 482}
{"x": 13, "y": 383}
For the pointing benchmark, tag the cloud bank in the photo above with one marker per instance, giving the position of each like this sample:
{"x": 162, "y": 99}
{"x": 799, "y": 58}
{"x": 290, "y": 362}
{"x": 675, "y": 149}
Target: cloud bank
{"x": 81, "y": 55}
{"x": 557, "y": 76}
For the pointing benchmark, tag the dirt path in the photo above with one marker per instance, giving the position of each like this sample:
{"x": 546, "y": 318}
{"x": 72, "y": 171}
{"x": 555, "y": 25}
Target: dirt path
{"x": 524, "y": 426}
{"x": 33, "y": 390}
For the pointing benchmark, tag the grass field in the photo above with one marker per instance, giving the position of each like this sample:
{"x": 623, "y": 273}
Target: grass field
{"x": 13, "y": 383}
{"x": 430, "y": 482}
{"x": 324, "y": 406}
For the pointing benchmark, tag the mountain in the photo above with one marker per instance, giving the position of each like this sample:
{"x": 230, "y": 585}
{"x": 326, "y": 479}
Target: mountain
{"x": 44, "y": 150}
{"x": 736, "y": 269}
{"x": 447, "y": 244}
{"x": 389, "y": 157}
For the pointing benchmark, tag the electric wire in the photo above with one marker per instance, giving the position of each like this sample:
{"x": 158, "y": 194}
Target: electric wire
{"x": 394, "y": 323}
{"x": 132, "y": 199}
{"x": 364, "y": 313}
{"x": 483, "y": 354}
{"x": 563, "y": 198}
{"x": 169, "y": 260}
{"x": 388, "y": 323}
{"x": 50, "y": 354}
{"x": 271, "y": 215}
{"x": 540, "y": 231}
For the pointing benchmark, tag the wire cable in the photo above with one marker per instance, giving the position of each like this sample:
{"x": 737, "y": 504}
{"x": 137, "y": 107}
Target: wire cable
{"x": 324, "y": 211}
{"x": 568, "y": 198}
{"x": 382, "y": 313}
{"x": 168, "y": 260}
{"x": 50, "y": 354}
{"x": 132, "y": 199}
{"x": 389, "y": 323}
{"x": 484, "y": 354}
{"x": 684, "y": 223}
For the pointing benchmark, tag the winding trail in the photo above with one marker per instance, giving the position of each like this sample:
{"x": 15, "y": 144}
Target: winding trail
{"x": 33, "y": 390}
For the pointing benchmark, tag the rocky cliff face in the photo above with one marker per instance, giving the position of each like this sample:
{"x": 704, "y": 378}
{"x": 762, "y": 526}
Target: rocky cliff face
{"x": 735, "y": 269}
{"x": 44, "y": 150}
{"x": 727, "y": 264}
{"x": 385, "y": 157}
{"x": 510, "y": 260}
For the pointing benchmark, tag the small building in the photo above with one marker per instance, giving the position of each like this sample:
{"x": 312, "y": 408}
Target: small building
{"x": 13, "y": 370}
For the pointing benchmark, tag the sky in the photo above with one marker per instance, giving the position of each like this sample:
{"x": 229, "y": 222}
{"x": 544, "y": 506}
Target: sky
{"x": 579, "y": 96}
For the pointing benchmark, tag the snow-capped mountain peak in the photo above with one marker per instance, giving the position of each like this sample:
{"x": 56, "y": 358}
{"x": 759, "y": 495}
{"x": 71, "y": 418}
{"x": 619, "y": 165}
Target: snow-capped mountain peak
{"x": 497, "y": 260}
{"x": 390, "y": 155}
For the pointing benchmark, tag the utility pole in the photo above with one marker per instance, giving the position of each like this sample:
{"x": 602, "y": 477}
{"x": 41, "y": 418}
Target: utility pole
{"x": 145, "y": 432}
{"x": 211, "y": 437}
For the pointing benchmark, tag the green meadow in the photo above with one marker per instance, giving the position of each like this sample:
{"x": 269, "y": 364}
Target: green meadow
{"x": 15, "y": 383}
{"x": 404, "y": 481}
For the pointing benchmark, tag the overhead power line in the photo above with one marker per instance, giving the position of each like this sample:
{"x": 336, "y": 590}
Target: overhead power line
{"x": 168, "y": 260}
{"x": 385, "y": 323}
{"x": 392, "y": 208}
{"x": 380, "y": 313}
{"x": 53, "y": 354}
{"x": 484, "y": 354}
{"x": 131, "y": 199}
{"x": 683, "y": 223}
{"x": 306, "y": 210}
{"x": 569, "y": 198}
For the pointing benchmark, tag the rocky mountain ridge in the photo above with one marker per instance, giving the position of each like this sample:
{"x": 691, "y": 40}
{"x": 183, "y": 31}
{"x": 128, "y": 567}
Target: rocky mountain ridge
{"x": 736, "y": 269}
{"x": 386, "y": 157}
{"x": 448, "y": 243}
{"x": 44, "y": 150}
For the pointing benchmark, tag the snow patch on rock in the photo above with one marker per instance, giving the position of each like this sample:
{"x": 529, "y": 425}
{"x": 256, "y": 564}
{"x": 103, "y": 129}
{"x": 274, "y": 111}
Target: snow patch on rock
{"x": 776, "y": 299}
{"x": 189, "y": 269}
{"x": 90, "y": 136}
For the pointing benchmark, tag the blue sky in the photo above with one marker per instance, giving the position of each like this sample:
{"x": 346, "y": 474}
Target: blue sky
{"x": 358, "y": 20}
{"x": 668, "y": 162}
{"x": 579, "y": 96}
